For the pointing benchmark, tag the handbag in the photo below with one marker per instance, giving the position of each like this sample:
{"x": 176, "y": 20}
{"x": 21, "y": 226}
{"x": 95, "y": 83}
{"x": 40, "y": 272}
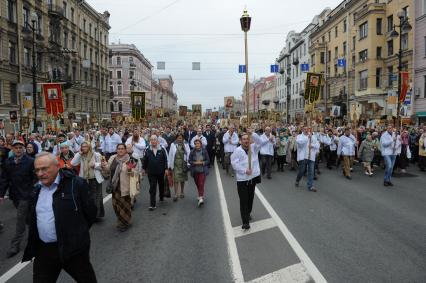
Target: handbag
{"x": 167, "y": 193}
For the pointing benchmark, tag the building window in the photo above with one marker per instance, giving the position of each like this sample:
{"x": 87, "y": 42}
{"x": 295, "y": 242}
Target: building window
{"x": 363, "y": 30}
{"x": 84, "y": 25}
{"x": 118, "y": 74}
{"x": 12, "y": 52}
{"x": 424, "y": 82}
{"x": 11, "y": 11}
{"x": 73, "y": 42}
{"x": 345, "y": 25}
{"x": 13, "y": 93}
{"x": 390, "y": 47}
{"x": 120, "y": 107}
{"x": 329, "y": 36}
{"x": 425, "y": 44}
{"x": 363, "y": 55}
{"x": 65, "y": 40}
{"x": 74, "y": 73}
{"x": 336, "y": 51}
{"x": 118, "y": 60}
{"x": 353, "y": 42}
{"x": 119, "y": 90}
{"x": 111, "y": 106}
{"x": 329, "y": 56}
{"x": 26, "y": 57}
{"x": 25, "y": 17}
{"x": 379, "y": 26}
{"x": 336, "y": 31}
{"x": 404, "y": 41}
{"x": 72, "y": 14}
{"x": 390, "y": 75}
{"x": 131, "y": 74}
{"x": 1, "y": 92}
{"x": 379, "y": 52}
{"x": 90, "y": 29}
{"x": 378, "y": 77}
{"x": 390, "y": 23}
{"x": 363, "y": 80}
{"x": 344, "y": 48}
{"x": 39, "y": 24}
{"x": 110, "y": 74}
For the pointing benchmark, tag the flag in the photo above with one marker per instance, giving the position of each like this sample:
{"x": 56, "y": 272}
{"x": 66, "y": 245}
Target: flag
{"x": 404, "y": 86}
{"x": 53, "y": 97}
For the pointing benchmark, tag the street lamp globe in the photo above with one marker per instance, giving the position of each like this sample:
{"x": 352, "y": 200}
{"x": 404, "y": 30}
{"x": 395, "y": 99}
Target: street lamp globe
{"x": 34, "y": 17}
{"x": 401, "y": 14}
{"x": 406, "y": 27}
{"x": 394, "y": 34}
{"x": 245, "y": 21}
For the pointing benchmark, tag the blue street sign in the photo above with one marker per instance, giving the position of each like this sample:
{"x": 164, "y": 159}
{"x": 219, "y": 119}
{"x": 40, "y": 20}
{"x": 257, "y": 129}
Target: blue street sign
{"x": 304, "y": 67}
{"x": 394, "y": 77}
{"x": 407, "y": 100}
{"x": 274, "y": 68}
{"x": 242, "y": 69}
{"x": 341, "y": 62}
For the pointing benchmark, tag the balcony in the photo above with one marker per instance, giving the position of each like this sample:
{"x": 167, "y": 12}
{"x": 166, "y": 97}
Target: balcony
{"x": 55, "y": 11}
{"x": 369, "y": 9}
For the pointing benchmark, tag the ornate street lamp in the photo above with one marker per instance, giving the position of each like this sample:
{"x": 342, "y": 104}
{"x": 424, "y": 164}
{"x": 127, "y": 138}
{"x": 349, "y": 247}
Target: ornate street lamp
{"x": 33, "y": 27}
{"x": 404, "y": 27}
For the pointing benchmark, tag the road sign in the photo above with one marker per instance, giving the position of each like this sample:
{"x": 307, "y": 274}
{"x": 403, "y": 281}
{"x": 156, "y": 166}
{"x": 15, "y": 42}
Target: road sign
{"x": 196, "y": 66}
{"x": 341, "y": 62}
{"x": 394, "y": 77}
{"x": 274, "y": 68}
{"x": 304, "y": 67}
{"x": 242, "y": 69}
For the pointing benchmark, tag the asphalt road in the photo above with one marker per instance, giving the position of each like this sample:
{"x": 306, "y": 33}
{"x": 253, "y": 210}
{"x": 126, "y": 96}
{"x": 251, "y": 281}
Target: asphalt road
{"x": 352, "y": 230}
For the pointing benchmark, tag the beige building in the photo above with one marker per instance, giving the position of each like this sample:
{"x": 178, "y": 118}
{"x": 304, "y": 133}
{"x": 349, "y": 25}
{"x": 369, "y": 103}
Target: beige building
{"x": 359, "y": 32}
{"x": 71, "y": 47}
{"x": 162, "y": 95}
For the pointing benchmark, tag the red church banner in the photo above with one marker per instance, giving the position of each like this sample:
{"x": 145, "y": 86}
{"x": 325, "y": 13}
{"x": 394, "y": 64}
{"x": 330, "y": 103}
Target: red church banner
{"x": 404, "y": 86}
{"x": 53, "y": 97}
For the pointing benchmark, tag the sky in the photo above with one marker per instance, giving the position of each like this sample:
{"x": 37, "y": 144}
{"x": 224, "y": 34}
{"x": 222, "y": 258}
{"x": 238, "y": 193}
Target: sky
{"x": 180, "y": 32}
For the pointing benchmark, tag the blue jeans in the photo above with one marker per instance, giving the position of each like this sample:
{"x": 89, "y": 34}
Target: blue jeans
{"x": 389, "y": 163}
{"x": 311, "y": 168}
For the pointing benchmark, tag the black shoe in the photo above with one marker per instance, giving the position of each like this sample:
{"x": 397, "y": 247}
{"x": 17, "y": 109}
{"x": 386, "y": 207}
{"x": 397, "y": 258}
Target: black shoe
{"x": 12, "y": 252}
{"x": 315, "y": 178}
{"x": 386, "y": 184}
{"x": 1, "y": 227}
{"x": 152, "y": 208}
{"x": 161, "y": 199}
{"x": 390, "y": 184}
{"x": 245, "y": 227}
{"x": 349, "y": 177}
{"x": 297, "y": 183}
{"x": 250, "y": 218}
{"x": 319, "y": 172}
{"x": 269, "y": 177}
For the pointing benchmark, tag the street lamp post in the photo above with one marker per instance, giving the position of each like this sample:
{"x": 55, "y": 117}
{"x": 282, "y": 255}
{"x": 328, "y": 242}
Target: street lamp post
{"x": 245, "y": 22}
{"x": 34, "y": 18}
{"x": 404, "y": 27}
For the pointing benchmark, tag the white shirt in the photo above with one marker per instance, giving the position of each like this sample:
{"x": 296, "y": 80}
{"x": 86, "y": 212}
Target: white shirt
{"x": 44, "y": 212}
{"x": 239, "y": 160}
{"x": 39, "y": 147}
{"x": 330, "y": 141}
{"x": 162, "y": 142}
{"x": 302, "y": 144}
{"x": 267, "y": 147}
{"x": 346, "y": 146}
{"x": 172, "y": 154}
{"x": 197, "y": 137}
{"x": 138, "y": 148}
{"x": 230, "y": 143}
{"x": 388, "y": 145}
{"x": 110, "y": 143}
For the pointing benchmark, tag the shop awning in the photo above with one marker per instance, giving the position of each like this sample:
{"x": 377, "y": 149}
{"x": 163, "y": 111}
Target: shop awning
{"x": 421, "y": 114}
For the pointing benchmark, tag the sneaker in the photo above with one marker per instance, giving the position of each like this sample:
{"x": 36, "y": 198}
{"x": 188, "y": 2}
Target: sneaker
{"x": 182, "y": 196}
{"x": 313, "y": 189}
{"x": 297, "y": 183}
{"x": 390, "y": 184}
{"x": 200, "y": 201}
{"x": 152, "y": 208}
{"x": 370, "y": 174}
{"x": 175, "y": 199}
{"x": 366, "y": 173}
{"x": 349, "y": 177}
{"x": 352, "y": 169}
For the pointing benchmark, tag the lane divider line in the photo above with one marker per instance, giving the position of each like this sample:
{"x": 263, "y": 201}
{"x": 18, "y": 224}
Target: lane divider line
{"x": 21, "y": 265}
{"x": 234, "y": 260}
{"x": 297, "y": 248}
{"x": 255, "y": 227}
{"x": 292, "y": 273}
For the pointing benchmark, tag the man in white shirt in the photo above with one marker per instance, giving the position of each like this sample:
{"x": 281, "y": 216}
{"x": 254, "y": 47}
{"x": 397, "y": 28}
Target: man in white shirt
{"x": 111, "y": 140}
{"x": 267, "y": 152}
{"x": 138, "y": 144}
{"x": 247, "y": 178}
{"x": 307, "y": 149}
{"x": 230, "y": 142}
{"x": 330, "y": 142}
{"x": 390, "y": 144}
{"x": 200, "y": 137}
{"x": 346, "y": 148}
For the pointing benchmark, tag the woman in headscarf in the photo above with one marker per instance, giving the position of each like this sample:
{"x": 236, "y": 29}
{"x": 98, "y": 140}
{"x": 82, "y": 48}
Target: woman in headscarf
{"x": 199, "y": 161}
{"x": 65, "y": 156}
{"x": 178, "y": 164}
{"x": 90, "y": 170}
{"x": 31, "y": 149}
{"x": 120, "y": 169}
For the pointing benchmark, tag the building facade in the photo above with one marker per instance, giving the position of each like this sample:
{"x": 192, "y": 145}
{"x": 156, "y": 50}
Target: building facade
{"x": 71, "y": 47}
{"x": 163, "y": 95}
{"x": 419, "y": 98}
{"x": 129, "y": 71}
{"x": 359, "y": 31}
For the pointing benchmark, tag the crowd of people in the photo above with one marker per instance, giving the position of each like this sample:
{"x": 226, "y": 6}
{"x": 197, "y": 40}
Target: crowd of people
{"x": 55, "y": 180}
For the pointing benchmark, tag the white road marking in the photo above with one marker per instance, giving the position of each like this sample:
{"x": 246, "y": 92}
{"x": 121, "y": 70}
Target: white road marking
{"x": 234, "y": 260}
{"x": 257, "y": 226}
{"x": 21, "y": 265}
{"x": 301, "y": 254}
{"x": 292, "y": 273}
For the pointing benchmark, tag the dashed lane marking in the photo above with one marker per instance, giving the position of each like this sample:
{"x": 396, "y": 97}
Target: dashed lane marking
{"x": 255, "y": 227}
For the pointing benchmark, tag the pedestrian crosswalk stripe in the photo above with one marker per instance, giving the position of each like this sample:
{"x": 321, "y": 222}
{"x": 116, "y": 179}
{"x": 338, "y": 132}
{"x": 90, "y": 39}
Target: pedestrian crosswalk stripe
{"x": 257, "y": 226}
{"x": 292, "y": 273}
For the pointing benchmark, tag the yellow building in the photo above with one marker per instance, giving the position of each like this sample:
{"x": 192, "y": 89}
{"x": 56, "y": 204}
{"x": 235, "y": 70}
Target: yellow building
{"x": 360, "y": 32}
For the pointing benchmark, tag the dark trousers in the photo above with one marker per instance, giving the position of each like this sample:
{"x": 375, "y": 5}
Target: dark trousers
{"x": 153, "y": 180}
{"x": 422, "y": 162}
{"x": 280, "y": 162}
{"x": 47, "y": 266}
{"x": 22, "y": 209}
{"x": 266, "y": 164}
{"x": 212, "y": 155}
{"x": 96, "y": 195}
{"x": 331, "y": 157}
{"x": 246, "y": 194}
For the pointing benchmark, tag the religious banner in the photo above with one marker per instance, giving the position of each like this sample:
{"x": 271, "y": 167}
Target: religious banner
{"x": 183, "y": 110}
{"x": 13, "y": 115}
{"x": 196, "y": 110}
{"x": 229, "y": 102}
{"x": 53, "y": 97}
{"x": 138, "y": 105}
{"x": 149, "y": 113}
{"x": 312, "y": 87}
{"x": 404, "y": 85}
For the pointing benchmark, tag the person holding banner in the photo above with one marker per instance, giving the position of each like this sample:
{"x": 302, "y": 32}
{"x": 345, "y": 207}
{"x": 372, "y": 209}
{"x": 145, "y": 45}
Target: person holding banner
{"x": 230, "y": 141}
